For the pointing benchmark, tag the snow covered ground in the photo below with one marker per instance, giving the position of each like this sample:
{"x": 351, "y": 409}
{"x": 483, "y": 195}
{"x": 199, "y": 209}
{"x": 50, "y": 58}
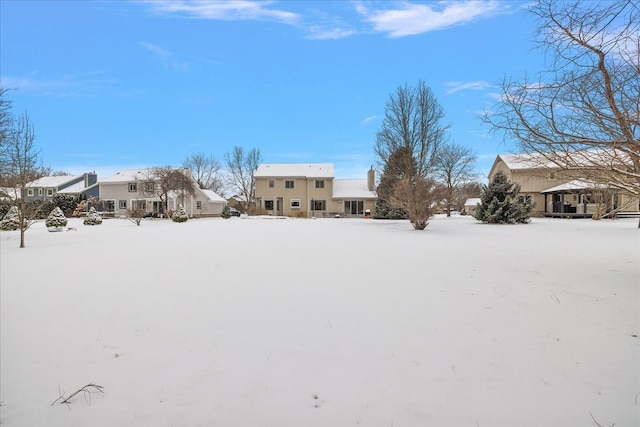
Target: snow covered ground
{"x": 328, "y": 322}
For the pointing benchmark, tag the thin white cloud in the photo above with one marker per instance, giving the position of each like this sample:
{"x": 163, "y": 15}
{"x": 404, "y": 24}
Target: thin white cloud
{"x": 315, "y": 32}
{"x": 69, "y": 85}
{"x": 408, "y": 19}
{"x": 460, "y": 86}
{"x": 235, "y": 10}
{"x": 166, "y": 58}
{"x": 369, "y": 119}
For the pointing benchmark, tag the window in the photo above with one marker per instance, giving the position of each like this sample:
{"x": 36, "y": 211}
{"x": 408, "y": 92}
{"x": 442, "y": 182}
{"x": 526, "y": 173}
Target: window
{"x": 149, "y": 186}
{"x": 122, "y": 204}
{"x": 552, "y": 175}
{"x": 318, "y": 205}
{"x": 139, "y": 205}
{"x": 49, "y": 191}
{"x": 198, "y": 204}
{"x": 268, "y": 205}
{"x": 354, "y": 207}
{"x": 289, "y": 184}
{"x": 319, "y": 183}
{"x": 272, "y": 183}
{"x": 295, "y": 203}
{"x": 133, "y": 187}
{"x": 39, "y": 191}
{"x": 30, "y": 192}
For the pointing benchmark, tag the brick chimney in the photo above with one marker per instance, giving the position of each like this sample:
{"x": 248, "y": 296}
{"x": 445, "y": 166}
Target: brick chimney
{"x": 371, "y": 179}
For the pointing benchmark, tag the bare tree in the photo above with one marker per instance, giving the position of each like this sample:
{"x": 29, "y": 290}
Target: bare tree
{"x": 412, "y": 120}
{"x": 582, "y": 114}
{"x": 21, "y": 166}
{"x": 206, "y": 171}
{"x": 241, "y": 167}
{"x": 163, "y": 180}
{"x": 6, "y": 122}
{"x": 455, "y": 168}
{"x": 412, "y": 129}
{"x": 416, "y": 196}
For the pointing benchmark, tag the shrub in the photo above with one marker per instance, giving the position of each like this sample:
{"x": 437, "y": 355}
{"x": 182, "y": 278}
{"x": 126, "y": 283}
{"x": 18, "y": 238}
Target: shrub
{"x": 11, "y": 220}
{"x": 56, "y": 218}
{"x": 226, "y": 213}
{"x": 92, "y": 218}
{"x": 180, "y": 215}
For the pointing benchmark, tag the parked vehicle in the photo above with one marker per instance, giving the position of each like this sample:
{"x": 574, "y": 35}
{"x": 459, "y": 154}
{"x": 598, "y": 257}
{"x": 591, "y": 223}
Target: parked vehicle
{"x": 234, "y": 212}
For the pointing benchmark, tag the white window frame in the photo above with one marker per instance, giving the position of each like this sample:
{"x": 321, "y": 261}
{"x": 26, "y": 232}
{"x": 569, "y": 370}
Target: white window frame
{"x": 271, "y": 183}
{"x": 198, "y": 204}
{"x": 39, "y": 191}
{"x": 320, "y": 183}
{"x": 122, "y": 204}
{"x": 30, "y": 192}
{"x": 294, "y": 203}
{"x": 293, "y": 184}
{"x": 49, "y": 191}
{"x": 133, "y": 187}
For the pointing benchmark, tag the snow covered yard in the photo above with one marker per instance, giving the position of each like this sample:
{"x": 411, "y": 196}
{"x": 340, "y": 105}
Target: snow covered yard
{"x": 328, "y": 322}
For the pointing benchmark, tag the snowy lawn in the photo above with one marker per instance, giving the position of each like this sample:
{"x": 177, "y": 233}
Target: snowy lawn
{"x": 328, "y": 322}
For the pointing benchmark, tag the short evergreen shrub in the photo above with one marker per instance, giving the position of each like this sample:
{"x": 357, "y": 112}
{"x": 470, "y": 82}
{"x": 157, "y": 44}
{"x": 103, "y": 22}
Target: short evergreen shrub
{"x": 56, "y": 218}
{"x": 11, "y": 220}
{"x": 92, "y": 218}
{"x": 226, "y": 213}
{"x": 180, "y": 215}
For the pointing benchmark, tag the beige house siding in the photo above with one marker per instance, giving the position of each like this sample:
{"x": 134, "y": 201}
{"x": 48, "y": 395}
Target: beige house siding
{"x": 303, "y": 195}
{"x": 535, "y": 180}
{"x": 118, "y": 192}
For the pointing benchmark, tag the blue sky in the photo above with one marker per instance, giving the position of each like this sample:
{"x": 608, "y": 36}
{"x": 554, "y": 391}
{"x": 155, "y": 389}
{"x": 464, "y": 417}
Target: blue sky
{"x": 112, "y": 85}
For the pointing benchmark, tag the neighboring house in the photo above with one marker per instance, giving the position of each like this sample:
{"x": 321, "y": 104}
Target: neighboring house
{"x": 470, "y": 206}
{"x": 83, "y": 186}
{"x": 556, "y": 192}
{"x": 135, "y": 190}
{"x": 310, "y": 189}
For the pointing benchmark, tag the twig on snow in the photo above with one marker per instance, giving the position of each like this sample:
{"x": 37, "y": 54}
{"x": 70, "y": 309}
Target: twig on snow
{"x": 87, "y": 390}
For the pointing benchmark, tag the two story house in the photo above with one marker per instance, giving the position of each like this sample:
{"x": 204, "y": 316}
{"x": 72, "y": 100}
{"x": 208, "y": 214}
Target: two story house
{"x": 310, "y": 189}
{"x": 137, "y": 190}
{"x": 84, "y": 186}
{"x": 556, "y": 192}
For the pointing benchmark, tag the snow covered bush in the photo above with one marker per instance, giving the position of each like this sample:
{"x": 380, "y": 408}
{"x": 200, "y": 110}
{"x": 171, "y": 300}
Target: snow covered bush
{"x": 500, "y": 203}
{"x": 80, "y": 209}
{"x": 226, "y": 213}
{"x": 11, "y": 220}
{"x": 180, "y": 215}
{"x": 93, "y": 218}
{"x": 56, "y": 218}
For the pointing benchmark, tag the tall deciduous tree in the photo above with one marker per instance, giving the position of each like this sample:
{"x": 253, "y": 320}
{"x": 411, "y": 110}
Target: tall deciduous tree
{"x": 409, "y": 141}
{"x": 582, "y": 114}
{"x": 21, "y": 166}
{"x": 206, "y": 171}
{"x": 455, "y": 168}
{"x": 241, "y": 166}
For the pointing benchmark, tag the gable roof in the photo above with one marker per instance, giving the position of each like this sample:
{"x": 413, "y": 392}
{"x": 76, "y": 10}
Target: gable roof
{"x": 53, "y": 181}
{"x": 352, "y": 188}
{"x": 213, "y": 196}
{"x": 128, "y": 175}
{"x": 295, "y": 170}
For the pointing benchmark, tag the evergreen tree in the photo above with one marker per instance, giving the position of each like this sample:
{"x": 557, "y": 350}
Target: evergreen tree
{"x": 180, "y": 215}
{"x": 226, "y": 213}
{"x": 500, "y": 203}
{"x": 401, "y": 165}
{"x": 11, "y": 220}
{"x": 93, "y": 218}
{"x": 56, "y": 218}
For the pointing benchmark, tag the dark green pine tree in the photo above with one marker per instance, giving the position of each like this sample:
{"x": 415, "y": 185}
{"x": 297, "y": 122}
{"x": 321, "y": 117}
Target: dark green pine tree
{"x": 500, "y": 203}
{"x": 401, "y": 164}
